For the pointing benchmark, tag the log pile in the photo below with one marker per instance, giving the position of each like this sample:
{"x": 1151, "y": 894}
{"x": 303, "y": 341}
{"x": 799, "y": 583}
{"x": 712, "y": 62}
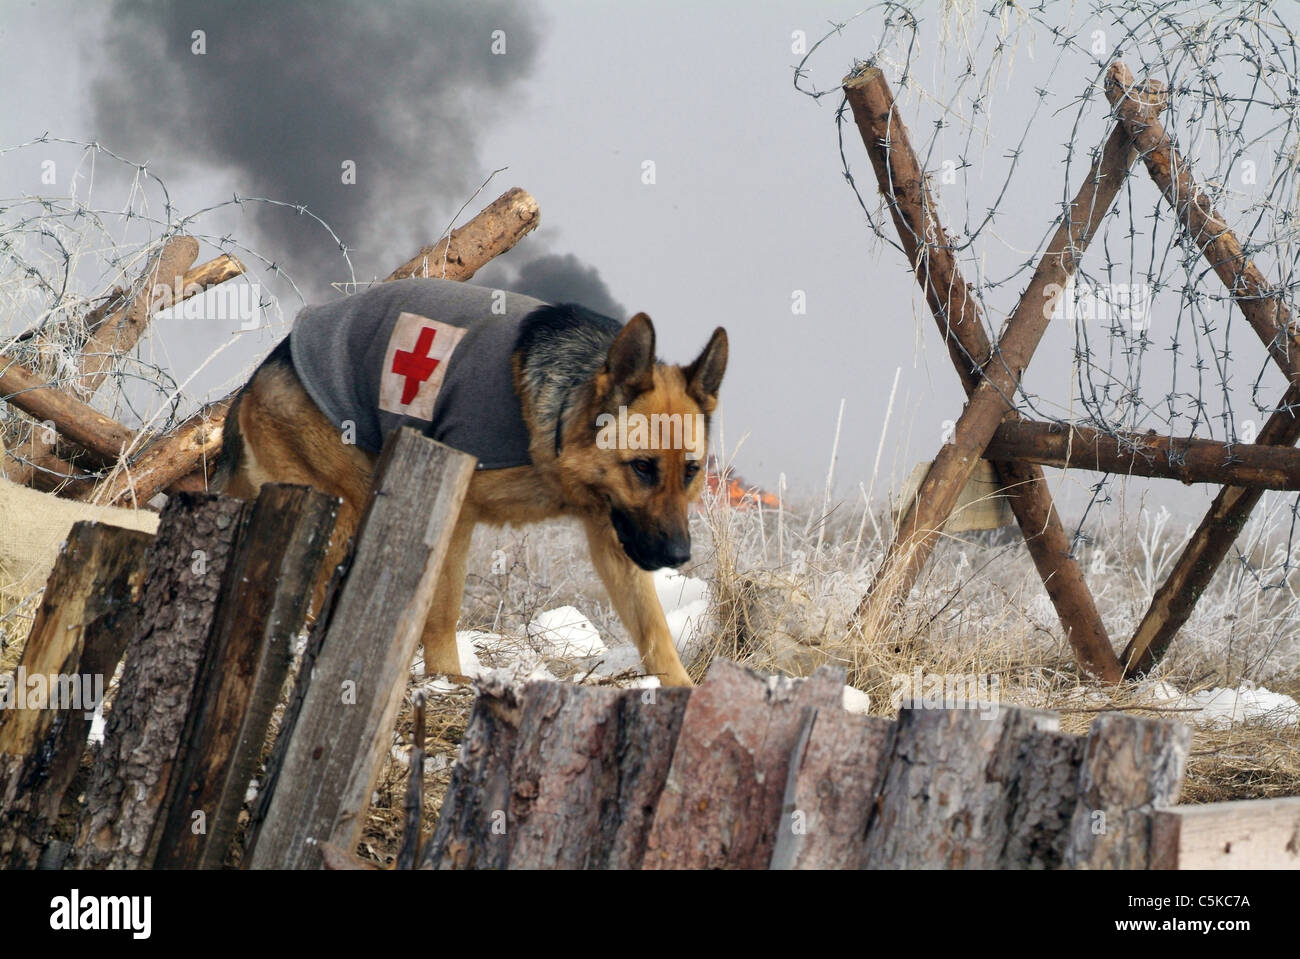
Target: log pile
{"x": 756, "y": 772}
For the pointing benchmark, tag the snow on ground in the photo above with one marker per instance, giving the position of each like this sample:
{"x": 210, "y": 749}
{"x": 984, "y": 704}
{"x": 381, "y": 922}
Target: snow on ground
{"x": 1221, "y": 708}
{"x": 566, "y": 633}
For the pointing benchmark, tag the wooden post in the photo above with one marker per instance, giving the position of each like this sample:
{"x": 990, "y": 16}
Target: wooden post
{"x": 1182, "y": 458}
{"x": 955, "y": 309}
{"x": 1264, "y": 309}
{"x": 498, "y": 227}
{"x": 721, "y": 805}
{"x": 947, "y": 800}
{"x": 1131, "y": 767}
{"x": 339, "y": 742}
{"x": 262, "y": 607}
{"x": 144, "y": 736}
{"x": 86, "y": 616}
{"x": 835, "y": 775}
{"x": 1249, "y": 834}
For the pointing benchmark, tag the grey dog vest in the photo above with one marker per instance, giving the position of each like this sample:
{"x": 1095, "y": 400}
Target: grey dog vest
{"x": 428, "y": 353}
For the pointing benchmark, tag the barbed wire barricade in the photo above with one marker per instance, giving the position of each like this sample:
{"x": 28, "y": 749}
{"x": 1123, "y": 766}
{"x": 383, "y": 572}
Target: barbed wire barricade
{"x": 1008, "y": 106}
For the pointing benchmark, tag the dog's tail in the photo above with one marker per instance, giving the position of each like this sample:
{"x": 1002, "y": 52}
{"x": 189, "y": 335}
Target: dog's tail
{"x": 232, "y": 440}
{"x": 232, "y": 448}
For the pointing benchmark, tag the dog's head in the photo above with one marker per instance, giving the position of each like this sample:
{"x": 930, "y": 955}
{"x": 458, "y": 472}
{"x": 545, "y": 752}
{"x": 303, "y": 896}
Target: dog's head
{"x": 644, "y": 460}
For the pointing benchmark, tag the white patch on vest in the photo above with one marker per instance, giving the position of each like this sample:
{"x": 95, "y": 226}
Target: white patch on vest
{"x": 415, "y": 364}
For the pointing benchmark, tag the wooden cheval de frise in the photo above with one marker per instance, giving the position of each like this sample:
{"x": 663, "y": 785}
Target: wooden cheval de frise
{"x": 991, "y": 427}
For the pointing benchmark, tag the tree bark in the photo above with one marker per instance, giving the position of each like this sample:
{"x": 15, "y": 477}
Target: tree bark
{"x": 262, "y": 607}
{"x": 835, "y": 776}
{"x": 955, "y": 309}
{"x": 948, "y": 794}
{"x": 1181, "y": 458}
{"x": 1131, "y": 767}
{"x": 472, "y": 831}
{"x": 143, "y": 739}
{"x": 721, "y": 804}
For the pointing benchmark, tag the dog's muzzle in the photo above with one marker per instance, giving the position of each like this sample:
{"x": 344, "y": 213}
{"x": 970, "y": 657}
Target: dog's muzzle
{"x": 649, "y": 550}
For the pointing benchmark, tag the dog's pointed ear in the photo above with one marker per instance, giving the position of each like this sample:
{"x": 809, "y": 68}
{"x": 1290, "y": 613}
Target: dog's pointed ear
{"x": 629, "y": 367}
{"x": 704, "y": 376}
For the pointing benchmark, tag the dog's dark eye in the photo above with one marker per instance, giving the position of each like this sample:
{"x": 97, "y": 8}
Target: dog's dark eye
{"x": 648, "y": 470}
{"x": 692, "y": 469}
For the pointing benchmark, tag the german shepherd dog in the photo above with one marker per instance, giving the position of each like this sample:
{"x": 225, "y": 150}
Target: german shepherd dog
{"x": 572, "y": 370}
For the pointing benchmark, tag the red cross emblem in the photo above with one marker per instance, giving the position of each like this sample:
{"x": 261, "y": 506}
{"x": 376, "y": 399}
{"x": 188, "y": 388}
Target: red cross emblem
{"x": 416, "y": 365}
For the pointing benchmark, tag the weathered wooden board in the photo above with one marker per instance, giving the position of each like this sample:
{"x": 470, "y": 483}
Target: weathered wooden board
{"x": 835, "y": 775}
{"x": 1248, "y": 834}
{"x": 1131, "y": 767}
{"x": 341, "y": 737}
{"x": 721, "y": 805}
{"x": 260, "y": 611}
{"x": 144, "y": 732}
{"x": 87, "y": 615}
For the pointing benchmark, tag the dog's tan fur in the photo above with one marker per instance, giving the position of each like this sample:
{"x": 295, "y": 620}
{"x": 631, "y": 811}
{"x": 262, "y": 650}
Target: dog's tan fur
{"x": 287, "y": 439}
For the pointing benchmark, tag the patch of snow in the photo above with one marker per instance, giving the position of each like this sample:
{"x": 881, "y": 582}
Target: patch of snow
{"x": 677, "y": 590}
{"x": 564, "y": 631}
{"x": 1221, "y": 708}
{"x": 856, "y": 701}
{"x": 686, "y": 624}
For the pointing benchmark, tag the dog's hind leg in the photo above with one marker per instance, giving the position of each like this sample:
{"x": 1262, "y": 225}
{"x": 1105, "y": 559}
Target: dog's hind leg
{"x": 632, "y": 590}
{"x": 439, "y": 639}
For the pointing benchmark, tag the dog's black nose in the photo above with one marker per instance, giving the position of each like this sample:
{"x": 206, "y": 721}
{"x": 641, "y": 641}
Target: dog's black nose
{"x": 677, "y": 552}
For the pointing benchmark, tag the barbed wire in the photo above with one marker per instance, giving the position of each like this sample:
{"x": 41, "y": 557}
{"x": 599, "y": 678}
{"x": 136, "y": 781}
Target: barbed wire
{"x": 981, "y": 88}
{"x": 60, "y": 255}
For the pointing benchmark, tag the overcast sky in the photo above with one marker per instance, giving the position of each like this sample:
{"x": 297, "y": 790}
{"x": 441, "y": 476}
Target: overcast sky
{"x": 749, "y": 209}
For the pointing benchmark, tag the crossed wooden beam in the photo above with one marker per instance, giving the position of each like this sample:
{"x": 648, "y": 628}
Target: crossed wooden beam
{"x": 991, "y": 427}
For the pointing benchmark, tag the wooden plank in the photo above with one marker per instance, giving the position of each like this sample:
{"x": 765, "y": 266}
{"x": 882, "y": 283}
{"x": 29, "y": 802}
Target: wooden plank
{"x": 472, "y": 830}
{"x": 721, "y": 804}
{"x": 1247, "y": 834}
{"x": 987, "y": 377}
{"x": 339, "y": 743}
{"x": 260, "y": 612}
{"x": 143, "y": 738}
{"x": 1131, "y": 766}
{"x": 948, "y": 794}
{"x": 86, "y": 616}
{"x": 835, "y": 774}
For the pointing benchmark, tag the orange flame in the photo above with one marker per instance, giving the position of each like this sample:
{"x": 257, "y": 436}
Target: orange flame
{"x": 727, "y": 485}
